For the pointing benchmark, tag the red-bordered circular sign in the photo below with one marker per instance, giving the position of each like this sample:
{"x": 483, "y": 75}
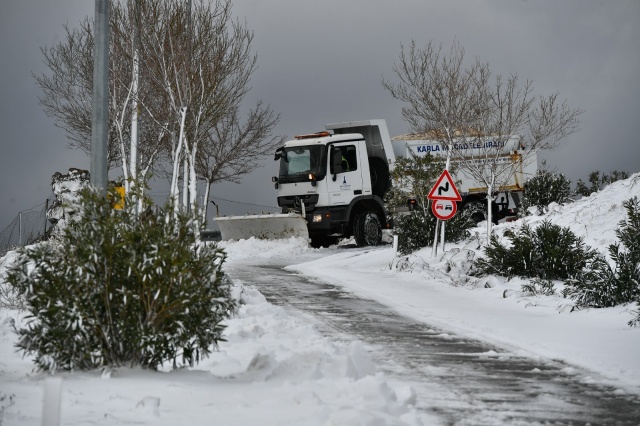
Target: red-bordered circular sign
{"x": 444, "y": 209}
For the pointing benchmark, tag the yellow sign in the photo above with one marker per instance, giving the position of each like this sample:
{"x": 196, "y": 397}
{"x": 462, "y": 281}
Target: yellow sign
{"x": 118, "y": 199}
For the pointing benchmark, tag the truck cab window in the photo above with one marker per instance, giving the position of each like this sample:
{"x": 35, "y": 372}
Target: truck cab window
{"x": 297, "y": 162}
{"x": 349, "y": 158}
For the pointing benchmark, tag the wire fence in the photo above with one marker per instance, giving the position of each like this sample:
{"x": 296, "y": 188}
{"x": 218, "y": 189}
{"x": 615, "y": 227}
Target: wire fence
{"x": 27, "y": 227}
{"x": 30, "y": 225}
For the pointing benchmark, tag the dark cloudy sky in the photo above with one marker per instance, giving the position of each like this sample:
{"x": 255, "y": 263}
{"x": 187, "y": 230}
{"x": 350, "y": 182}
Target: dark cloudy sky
{"x": 322, "y": 61}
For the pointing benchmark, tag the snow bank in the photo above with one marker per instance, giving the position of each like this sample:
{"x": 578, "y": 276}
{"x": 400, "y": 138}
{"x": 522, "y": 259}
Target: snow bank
{"x": 254, "y": 248}
{"x": 274, "y": 369}
{"x": 438, "y": 291}
{"x": 594, "y": 218}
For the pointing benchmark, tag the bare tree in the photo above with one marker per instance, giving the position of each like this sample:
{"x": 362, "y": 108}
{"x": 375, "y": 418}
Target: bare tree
{"x": 201, "y": 61}
{"x": 234, "y": 149}
{"x": 195, "y": 66}
{"x": 476, "y": 117}
{"x": 67, "y": 91}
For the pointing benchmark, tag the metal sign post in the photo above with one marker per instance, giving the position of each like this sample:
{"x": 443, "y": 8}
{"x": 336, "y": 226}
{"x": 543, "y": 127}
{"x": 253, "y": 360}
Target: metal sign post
{"x": 443, "y": 196}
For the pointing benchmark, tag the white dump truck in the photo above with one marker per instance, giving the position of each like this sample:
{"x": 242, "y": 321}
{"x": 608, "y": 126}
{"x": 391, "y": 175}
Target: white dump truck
{"x": 332, "y": 184}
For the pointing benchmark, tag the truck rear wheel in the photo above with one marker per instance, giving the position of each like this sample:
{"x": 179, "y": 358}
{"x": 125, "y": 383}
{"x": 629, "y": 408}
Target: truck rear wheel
{"x": 367, "y": 229}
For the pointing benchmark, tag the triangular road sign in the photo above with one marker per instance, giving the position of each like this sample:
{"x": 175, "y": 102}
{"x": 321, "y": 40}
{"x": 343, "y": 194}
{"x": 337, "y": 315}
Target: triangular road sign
{"x": 444, "y": 189}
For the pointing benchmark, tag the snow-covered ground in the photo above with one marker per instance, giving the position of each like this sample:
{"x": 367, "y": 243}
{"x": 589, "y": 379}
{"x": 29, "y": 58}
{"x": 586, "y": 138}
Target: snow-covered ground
{"x": 277, "y": 369}
{"x": 436, "y": 291}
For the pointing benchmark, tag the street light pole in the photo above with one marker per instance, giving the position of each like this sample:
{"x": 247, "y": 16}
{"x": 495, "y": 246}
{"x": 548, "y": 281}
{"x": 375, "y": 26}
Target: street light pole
{"x": 100, "y": 112}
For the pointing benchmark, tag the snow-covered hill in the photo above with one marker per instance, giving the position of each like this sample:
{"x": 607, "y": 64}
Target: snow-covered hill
{"x": 595, "y": 217}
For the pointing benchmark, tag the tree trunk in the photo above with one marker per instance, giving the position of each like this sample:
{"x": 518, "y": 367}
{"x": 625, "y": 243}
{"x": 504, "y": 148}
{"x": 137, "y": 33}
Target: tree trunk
{"x": 489, "y": 211}
{"x": 205, "y": 202}
{"x": 176, "y": 161}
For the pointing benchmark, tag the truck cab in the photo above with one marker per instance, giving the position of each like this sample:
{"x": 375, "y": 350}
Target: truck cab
{"x": 337, "y": 181}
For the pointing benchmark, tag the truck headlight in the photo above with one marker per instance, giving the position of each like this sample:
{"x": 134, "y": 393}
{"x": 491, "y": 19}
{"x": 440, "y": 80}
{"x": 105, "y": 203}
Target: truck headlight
{"x": 317, "y": 218}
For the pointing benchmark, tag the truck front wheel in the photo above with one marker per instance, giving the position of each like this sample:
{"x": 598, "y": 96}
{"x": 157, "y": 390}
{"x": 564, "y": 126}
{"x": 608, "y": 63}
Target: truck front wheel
{"x": 367, "y": 229}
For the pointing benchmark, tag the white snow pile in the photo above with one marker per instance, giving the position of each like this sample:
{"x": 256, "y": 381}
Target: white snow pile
{"x": 254, "y": 248}
{"x": 66, "y": 189}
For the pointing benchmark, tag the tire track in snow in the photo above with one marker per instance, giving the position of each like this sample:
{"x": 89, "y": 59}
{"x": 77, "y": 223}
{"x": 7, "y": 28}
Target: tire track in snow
{"x": 462, "y": 380}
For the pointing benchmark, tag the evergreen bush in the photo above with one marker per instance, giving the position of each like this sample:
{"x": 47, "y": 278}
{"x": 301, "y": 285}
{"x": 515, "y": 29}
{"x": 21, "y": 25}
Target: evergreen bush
{"x": 538, "y": 287}
{"x": 549, "y": 252}
{"x": 121, "y": 288}
{"x": 604, "y": 286}
{"x": 597, "y": 181}
{"x": 546, "y": 188}
{"x": 416, "y": 230}
{"x": 414, "y": 177}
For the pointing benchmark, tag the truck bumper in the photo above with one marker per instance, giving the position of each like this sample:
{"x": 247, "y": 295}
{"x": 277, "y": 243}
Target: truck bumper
{"x": 327, "y": 221}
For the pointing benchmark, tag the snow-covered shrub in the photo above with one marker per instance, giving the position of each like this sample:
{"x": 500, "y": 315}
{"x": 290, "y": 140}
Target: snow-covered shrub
{"x": 416, "y": 230}
{"x": 6, "y": 401}
{"x": 121, "y": 288}
{"x": 598, "y": 181}
{"x": 549, "y": 251}
{"x": 635, "y": 322}
{"x": 538, "y": 287}
{"x": 604, "y": 286}
{"x": 10, "y": 297}
{"x": 545, "y": 188}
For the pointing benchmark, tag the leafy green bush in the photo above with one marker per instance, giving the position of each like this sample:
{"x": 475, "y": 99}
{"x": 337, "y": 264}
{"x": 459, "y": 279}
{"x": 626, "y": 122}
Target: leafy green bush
{"x": 604, "y": 286}
{"x": 416, "y": 230}
{"x": 545, "y": 188}
{"x": 414, "y": 177}
{"x": 549, "y": 252}
{"x": 121, "y": 288}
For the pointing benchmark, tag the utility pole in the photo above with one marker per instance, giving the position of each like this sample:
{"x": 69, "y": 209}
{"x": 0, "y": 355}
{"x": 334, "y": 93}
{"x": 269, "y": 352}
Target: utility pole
{"x": 100, "y": 112}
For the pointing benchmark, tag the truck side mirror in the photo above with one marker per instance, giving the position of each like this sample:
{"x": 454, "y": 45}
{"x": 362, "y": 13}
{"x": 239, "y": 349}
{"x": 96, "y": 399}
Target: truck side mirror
{"x": 336, "y": 162}
{"x": 278, "y": 154}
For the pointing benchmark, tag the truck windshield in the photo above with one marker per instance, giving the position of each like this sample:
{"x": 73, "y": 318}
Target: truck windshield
{"x": 297, "y": 162}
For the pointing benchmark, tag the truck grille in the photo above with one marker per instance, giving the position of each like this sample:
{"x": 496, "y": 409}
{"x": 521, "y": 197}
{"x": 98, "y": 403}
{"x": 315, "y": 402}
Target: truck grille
{"x": 293, "y": 202}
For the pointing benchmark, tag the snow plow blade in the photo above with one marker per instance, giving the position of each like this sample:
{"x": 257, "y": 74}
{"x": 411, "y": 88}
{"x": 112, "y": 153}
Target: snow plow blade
{"x": 266, "y": 226}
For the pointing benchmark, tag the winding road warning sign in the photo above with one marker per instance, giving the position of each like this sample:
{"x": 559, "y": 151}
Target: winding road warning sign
{"x": 444, "y": 189}
{"x": 444, "y": 195}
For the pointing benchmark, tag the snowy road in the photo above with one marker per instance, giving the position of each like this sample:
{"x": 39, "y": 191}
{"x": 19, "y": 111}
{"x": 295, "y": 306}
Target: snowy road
{"x": 461, "y": 380}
